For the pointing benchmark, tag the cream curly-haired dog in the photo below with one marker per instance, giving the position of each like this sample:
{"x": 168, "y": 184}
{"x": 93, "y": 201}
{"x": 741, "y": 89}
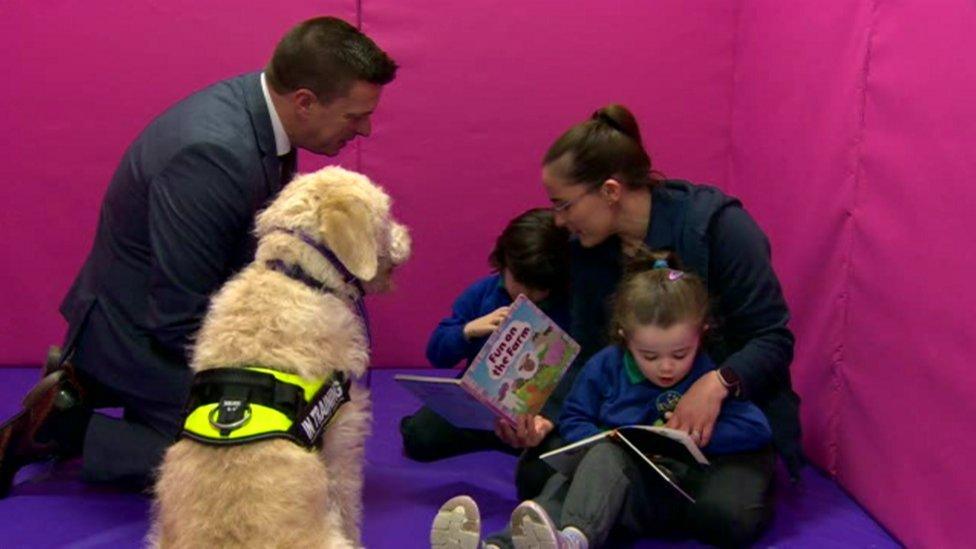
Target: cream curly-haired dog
{"x": 293, "y": 310}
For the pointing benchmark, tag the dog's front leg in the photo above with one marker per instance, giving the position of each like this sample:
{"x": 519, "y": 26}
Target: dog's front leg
{"x": 343, "y": 451}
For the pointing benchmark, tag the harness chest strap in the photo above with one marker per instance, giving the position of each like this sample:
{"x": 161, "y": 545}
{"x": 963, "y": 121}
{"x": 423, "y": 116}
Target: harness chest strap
{"x": 230, "y": 406}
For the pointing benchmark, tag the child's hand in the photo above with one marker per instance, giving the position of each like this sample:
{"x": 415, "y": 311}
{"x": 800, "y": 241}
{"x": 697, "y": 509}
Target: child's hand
{"x": 485, "y": 325}
{"x": 528, "y": 431}
{"x": 698, "y": 408}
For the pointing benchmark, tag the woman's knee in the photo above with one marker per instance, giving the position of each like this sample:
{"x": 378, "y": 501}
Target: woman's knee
{"x": 729, "y": 523}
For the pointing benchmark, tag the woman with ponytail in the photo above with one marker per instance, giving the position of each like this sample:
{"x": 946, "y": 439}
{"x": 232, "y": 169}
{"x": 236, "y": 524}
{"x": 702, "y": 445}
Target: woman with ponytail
{"x": 604, "y": 190}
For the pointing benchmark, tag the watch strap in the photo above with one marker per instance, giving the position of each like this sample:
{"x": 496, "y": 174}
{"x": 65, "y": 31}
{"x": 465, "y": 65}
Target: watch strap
{"x": 730, "y": 379}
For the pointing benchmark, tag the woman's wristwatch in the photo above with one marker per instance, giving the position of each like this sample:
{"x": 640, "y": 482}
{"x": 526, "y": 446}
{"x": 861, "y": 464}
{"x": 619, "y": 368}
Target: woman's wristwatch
{"x": 730, "y": 379}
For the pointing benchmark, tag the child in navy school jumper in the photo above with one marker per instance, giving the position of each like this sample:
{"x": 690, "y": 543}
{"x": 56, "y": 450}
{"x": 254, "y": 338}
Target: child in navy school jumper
{"x": 530, "y": 257}
{"x": 658, "y": 321}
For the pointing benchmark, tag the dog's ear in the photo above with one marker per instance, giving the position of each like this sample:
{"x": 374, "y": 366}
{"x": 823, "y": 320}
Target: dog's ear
{"x": 399, "y": 243}
{"x": 347, "y": 228}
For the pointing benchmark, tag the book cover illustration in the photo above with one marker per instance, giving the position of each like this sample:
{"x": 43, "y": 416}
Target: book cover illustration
{"x": 521, "y": 363}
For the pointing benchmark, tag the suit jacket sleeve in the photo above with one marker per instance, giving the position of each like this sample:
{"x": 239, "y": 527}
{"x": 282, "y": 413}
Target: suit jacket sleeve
{"x": 198, "y": 217}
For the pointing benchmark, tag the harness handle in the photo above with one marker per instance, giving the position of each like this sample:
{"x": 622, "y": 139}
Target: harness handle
{"x": 221, "y": 426}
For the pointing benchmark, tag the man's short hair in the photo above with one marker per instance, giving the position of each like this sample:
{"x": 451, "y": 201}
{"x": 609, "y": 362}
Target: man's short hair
{"x": 327, "y": 55}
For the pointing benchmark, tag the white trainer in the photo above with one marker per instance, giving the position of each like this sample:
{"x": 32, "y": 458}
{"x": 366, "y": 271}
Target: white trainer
{"x": 533, "y": 528}
{"x": 457, "y": 525}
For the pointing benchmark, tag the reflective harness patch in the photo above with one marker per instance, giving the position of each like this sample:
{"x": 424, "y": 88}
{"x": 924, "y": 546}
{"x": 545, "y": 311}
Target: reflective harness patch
{"x": 229, "y": 406}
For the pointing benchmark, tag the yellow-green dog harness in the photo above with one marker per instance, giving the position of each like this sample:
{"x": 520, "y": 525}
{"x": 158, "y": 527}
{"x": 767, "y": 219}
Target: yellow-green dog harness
{"x": 229, "y": 406}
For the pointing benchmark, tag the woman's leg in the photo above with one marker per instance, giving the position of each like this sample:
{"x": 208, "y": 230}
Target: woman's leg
{"x": 733, "y": 504}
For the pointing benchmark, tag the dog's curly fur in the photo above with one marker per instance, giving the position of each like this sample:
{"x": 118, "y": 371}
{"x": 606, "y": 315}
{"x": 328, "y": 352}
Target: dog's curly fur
{"x": 275, "y": 493}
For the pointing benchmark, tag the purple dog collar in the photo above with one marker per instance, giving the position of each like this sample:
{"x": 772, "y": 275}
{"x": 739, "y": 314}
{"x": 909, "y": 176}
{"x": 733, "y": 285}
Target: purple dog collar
{"x": 297, "y": 273}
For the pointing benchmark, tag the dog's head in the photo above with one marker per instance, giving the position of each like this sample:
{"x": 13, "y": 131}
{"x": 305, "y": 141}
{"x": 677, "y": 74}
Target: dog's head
{"x": 342, "y": 211}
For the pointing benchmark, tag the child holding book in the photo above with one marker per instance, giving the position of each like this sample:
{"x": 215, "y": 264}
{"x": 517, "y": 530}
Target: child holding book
{"x": 659, "y": 319}
{"x": 530, "y": 257}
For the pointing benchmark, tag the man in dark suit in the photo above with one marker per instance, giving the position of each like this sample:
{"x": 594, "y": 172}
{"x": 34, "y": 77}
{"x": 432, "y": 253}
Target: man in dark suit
{"x": 175, "y": 224}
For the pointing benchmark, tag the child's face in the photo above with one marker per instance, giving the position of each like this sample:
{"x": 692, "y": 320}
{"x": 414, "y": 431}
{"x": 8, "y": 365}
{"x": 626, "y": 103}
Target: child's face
{"x": 665, "y": 355}
{"x": 514, "y": 288}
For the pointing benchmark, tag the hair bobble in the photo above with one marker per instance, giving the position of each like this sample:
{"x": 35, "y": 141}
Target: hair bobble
{"x": 603, "y": 117}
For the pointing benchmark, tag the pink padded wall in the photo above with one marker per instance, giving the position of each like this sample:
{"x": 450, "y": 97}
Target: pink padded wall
{"x": 854, "y": 128}
{"x": 909, "y": 370}
{"x": 847, "y": 127}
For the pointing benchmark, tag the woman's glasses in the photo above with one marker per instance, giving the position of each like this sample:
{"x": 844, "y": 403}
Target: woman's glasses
{"x": 567, "y": 204}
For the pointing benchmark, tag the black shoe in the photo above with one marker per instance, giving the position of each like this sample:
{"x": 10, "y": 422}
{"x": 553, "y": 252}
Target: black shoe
{"x": 52, "y": 362}
{"x": 18, "y": 435}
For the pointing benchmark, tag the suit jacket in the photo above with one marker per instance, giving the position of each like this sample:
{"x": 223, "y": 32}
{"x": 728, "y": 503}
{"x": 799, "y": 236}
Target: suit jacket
{"x": 175, "y": 224}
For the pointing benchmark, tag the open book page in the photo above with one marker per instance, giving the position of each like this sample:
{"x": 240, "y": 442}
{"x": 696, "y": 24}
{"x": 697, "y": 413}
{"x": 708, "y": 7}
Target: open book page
{"x": 565, "y": 458}
{"x": 666, "y": 475}
{"x": 653, "y": 440}
{"x": 521, "y": 363}
{"x": 647, "y": 442}
{"x": 445, "y": 396}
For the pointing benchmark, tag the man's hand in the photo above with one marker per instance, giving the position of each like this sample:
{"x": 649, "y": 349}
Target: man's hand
{"x": 485, "y": 325}
{"x": 698, "y": 408}
{"x": 528, "y": 431}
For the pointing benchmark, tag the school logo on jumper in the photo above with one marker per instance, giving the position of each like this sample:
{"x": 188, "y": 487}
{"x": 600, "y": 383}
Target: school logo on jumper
{"x": 667, "y": 402}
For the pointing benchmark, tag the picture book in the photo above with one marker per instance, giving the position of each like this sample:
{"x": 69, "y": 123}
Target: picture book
{"x": 514, "y": 373}
{"x": 663, "y": 449}
{"x": 452, "y": 402}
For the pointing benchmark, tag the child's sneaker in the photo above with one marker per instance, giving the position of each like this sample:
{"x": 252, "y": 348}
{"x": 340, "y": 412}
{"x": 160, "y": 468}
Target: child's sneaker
{"x": 533, "y": 529}
{"x": 574, "y": 538}
{"x": 457, "y": 525}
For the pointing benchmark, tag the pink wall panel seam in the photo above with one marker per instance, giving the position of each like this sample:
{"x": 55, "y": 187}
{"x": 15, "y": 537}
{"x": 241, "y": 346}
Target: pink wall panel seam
{"x": 730, "y": 162}
{"x": 838, "y": 382}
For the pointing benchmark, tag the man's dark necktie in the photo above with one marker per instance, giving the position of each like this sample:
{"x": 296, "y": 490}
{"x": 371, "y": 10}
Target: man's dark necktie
{"x": 289, "y": 162}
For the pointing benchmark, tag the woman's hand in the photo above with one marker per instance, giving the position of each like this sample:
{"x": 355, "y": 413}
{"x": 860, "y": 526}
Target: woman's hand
{"x": 485, "y": 325}
{"x": 698, "y": 408}
{"x": 528, "y": 431}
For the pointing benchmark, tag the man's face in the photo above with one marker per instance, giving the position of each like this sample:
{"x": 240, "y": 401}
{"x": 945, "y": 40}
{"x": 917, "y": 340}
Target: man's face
{"x": 329, "y": 126}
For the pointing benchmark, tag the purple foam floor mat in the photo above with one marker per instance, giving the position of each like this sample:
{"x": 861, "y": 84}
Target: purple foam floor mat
{"x": 50, "y": 507}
